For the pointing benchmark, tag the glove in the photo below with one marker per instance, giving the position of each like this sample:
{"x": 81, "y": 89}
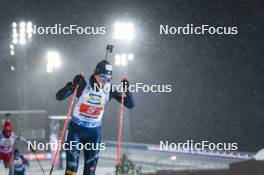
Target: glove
{"x": 77, "y": 79}
{"x": 125, "y": 84}
{"x": 69, "y": 85}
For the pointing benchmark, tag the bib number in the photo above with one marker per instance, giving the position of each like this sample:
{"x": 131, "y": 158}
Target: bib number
{"x": 90, "y": 110}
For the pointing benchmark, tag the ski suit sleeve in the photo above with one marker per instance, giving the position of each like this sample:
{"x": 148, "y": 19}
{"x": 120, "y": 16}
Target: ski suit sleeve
{"x": 67, "y": 90}
{"x": 24, "y": 160}
{"x": 129, "y": 101}
{"x": 22, "y": 139}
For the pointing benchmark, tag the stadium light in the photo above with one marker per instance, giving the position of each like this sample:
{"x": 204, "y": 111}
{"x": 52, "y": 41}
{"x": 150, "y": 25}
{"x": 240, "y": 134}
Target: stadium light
{"x": 29, "y": 29}
{"x": 173, "y": 158}
{"x": 11, "y": 46}
{"x": 53, "y": 61}
{"x": 117, "y": 60}
{"x": 12, "y": 51}
{"x": 123, "y": 59}
{"x": 14, "y": 24}
{"x": 124, "y": 31}
{"x": 21, "y": 34}
{"x": 12, "y": 68}
{"x": 130, "y": 57}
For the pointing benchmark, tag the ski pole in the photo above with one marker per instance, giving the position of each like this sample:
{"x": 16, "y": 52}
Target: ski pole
{"x": 38, "y": 162}
{"x": 64, "y": 128}
{"x": 41, "y": 167}
{"x": 120, "y": 127}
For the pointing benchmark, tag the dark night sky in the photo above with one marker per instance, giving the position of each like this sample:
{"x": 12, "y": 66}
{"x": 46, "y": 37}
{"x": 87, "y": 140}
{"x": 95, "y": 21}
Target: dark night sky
{"x": 217, "y": 80}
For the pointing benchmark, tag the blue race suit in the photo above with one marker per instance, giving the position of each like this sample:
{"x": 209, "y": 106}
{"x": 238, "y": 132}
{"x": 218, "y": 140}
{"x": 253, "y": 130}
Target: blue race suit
{"x": 20, "y": 165}
{"x": 85, "y": 125}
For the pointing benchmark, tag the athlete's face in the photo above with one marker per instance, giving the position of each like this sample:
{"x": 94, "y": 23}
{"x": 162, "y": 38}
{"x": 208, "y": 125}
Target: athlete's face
{"x": 102, "y": 79}
{"x": 7, "y": 133}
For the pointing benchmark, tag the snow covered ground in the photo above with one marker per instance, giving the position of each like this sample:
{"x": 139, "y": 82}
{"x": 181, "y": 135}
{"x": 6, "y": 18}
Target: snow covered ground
{"x": 150, "y": 161}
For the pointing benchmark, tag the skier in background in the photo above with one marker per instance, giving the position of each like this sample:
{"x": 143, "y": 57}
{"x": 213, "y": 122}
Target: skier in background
{"x": 7, "y": 141}
{"x": 85, "y": 124}
{"x": 20, "y": 163}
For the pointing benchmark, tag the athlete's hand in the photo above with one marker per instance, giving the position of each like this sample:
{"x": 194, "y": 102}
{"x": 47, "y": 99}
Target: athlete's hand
{"x": 125, "y": 84}
{"x": 69, "y": 85}
{"x": 77, "y": 79}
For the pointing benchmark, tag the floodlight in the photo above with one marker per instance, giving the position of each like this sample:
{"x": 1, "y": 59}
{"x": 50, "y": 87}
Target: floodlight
{"x": 123, "y": 59}
{"x": 22, "y": 33}
{"x": 123, "y": 31}
{"x": 53, "y": 61}
{"x": 130, "y": 57}
{"x": 12, "y": 52}
{"x": 173, "y": 158}
{"x": 117, "y": 60}
{"x": 14, "y": 24}
{"x": 12, "y": 68}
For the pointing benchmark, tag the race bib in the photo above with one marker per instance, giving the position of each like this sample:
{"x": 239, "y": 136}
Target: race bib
{"x": 91, "y": 110}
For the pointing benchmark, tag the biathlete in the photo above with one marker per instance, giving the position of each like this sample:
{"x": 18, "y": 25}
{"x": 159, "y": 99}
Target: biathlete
{"x": 20, "y": 163}
{"x": 7, "y": 141}
{"x": 85, "y": 125}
